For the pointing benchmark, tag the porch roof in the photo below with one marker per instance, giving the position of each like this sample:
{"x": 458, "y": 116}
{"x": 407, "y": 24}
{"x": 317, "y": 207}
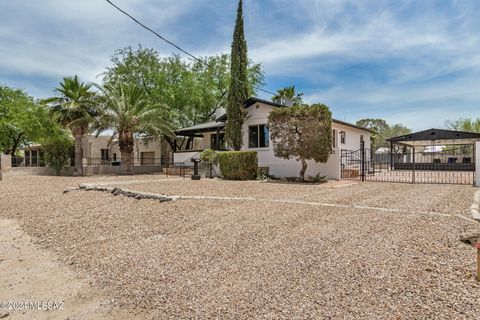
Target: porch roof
{"x": 200, "y": 128}
{"x": 436, "y": 136}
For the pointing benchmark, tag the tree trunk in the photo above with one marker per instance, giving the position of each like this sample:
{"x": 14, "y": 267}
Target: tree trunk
{"x": 126, "y": 142}
{"x": 16, "y": 142}
{"x": 78, "y": 134}
{"x": 126, "y": 162}
{"x": 302, "y": 171}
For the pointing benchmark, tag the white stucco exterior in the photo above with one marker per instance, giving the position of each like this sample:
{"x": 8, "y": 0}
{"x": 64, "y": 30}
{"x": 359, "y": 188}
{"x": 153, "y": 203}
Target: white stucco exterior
{"x": 258, "y": 113}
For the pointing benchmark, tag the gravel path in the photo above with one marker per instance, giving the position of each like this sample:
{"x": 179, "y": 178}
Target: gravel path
{"x": 229, "y": 259}
{"x": 452, "y": 199}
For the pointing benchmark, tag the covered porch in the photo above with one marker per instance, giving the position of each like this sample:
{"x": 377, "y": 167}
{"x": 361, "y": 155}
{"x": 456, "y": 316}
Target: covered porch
{"x": 192, "y": 140}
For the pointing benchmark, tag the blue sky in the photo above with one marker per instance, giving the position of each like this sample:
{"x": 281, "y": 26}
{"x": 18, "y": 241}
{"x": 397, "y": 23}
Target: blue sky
{"x": 407, "y": 61}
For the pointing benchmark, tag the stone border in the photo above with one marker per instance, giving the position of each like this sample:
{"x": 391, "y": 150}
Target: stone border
{"x": 124, "y": 192}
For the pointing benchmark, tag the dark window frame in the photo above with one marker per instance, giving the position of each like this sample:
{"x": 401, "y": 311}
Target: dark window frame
{"x": 343, "y": 137}
{"x": 255, "y": 140}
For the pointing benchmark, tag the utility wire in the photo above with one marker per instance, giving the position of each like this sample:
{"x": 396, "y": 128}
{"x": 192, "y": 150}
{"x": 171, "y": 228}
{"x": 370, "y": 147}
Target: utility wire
{"x": 175, "y": 45}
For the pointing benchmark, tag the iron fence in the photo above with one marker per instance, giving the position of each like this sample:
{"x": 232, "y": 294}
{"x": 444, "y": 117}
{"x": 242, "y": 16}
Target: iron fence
{"x": 408, "y": 166}
{"x": 141, "y": 162}
{"x": 28, "y": 161}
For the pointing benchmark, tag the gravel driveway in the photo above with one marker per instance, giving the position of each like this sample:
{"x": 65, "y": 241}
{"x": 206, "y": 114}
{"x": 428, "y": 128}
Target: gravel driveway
{"x": 261, "y": 259}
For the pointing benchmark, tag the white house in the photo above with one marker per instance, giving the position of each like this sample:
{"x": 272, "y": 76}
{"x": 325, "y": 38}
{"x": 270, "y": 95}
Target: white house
{"x": 256, "y": 137}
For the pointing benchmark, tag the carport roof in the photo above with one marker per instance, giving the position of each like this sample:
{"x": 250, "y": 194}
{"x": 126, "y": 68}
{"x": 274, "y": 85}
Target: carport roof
{"x": 436, "y": 136}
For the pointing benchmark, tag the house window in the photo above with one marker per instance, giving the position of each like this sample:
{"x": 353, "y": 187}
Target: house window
{"x": 342, "y": 137}
{"x": 334, "y": 138}
{"x": 258, "y": 136}
{"x": 114, "y": 156}
{"x": 221, "y": 142}
{"x": 361, "y": 138}
{"x": 104, "y": 154}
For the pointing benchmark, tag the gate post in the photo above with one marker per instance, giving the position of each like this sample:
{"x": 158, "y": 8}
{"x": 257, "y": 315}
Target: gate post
{"x": 362, "y": 155}
{"x": 413, "y": 165}
{"x": 477, "y": 163}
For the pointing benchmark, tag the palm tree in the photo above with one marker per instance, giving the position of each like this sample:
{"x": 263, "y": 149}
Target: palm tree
{"x": 127, "y": 112}
{"x": 74, "y": 108}
{"x": 289, "y": 93}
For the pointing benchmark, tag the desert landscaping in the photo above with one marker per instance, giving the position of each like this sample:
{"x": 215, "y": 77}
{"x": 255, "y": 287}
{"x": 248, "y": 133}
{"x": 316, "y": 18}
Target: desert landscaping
{"x": 226, "y": 249}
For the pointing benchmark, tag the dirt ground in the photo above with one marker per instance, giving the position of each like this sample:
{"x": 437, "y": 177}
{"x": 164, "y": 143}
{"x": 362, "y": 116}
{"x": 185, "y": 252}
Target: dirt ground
{"x": 247, "y": 249}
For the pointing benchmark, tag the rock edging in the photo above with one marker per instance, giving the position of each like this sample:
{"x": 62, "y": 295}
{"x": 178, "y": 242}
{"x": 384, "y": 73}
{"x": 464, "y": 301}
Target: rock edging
{"x": 124, "y": 192}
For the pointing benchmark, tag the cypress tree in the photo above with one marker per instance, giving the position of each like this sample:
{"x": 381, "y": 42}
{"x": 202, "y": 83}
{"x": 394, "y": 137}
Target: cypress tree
{"x": 238, "y": 91}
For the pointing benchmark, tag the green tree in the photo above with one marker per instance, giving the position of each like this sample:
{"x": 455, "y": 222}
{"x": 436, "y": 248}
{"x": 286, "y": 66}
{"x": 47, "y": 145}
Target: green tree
{"x": 382, "y": 131}
{"x": 302, "y": 133}
{"x": 289, "y": 93}
{"x": 378, "y": 126}
{"x": 21, "y": 120}
{"x": 191, "y": 92}
{"x": 126, "y": 111}
{"x": 238, "y": 91}
{"x": 464, "y": 124}
{"x": 74, "y": 108}
{"x": 57, "y": 150}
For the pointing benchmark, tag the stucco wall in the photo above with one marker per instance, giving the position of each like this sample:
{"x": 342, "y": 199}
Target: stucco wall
{"x": 5, "y": 162}
{"x": 258, "y": 113}
{"x": 92, "y": 148}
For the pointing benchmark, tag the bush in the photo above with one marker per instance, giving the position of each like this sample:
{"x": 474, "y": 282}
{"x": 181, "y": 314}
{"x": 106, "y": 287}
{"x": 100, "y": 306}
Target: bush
{"x": 57, "y": 152}
{"x": 238, "y": 165}
{"x": 209, "y": 156}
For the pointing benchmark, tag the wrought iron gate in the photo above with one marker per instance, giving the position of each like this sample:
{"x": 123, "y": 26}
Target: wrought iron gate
{"x": 408, "y": 166}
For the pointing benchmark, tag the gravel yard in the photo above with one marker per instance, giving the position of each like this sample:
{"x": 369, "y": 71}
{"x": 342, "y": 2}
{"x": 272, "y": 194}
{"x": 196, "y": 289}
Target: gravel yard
{"x": 212, "y": 258}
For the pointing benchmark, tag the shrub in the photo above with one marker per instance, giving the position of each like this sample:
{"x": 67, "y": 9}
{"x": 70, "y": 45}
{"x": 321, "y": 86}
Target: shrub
{"x": 317, "y": 178}
{"x": 238, "y": 165}
{"x": 57, "y": 152}
{"x": 209, "y": 156}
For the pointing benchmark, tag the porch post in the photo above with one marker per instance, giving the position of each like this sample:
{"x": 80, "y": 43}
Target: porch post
{"x": 217, "y": 140}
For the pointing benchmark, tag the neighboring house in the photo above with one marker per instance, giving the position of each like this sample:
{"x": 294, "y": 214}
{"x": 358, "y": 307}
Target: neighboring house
{"x": 256, "y": 137}
{"x": 102, "y": 150}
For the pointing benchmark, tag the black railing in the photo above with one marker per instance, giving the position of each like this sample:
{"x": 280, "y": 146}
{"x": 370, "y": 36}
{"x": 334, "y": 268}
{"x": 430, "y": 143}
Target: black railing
{"x": 408, "y": 167}
{"x": 136, "y": 162}
{"x": 171, "y": 168}
{"x": 28, "y": 162}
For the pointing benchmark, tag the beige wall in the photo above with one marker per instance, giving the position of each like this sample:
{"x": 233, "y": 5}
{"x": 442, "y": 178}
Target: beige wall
{"x": 5, "y": 162}
{"x": 92, "y": 148}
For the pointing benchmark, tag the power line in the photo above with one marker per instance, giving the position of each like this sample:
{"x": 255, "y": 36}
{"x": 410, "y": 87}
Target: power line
{"x": 175, "y": 45}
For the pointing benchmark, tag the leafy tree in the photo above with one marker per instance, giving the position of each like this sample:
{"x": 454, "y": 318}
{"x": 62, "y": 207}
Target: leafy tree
{"x": 126, "y": 111}
{"x": 382, "y": 131}
{"x": 378, "y": 126}
{"x": 21, "y": 120}
{"x": 74, "y": 108}
{"x": 57, "y": 150}
{"x": 464, "y": 124}
{"x": 302, "y": 133}
{"x": 238, "y": 91}
{"x": 191, "y": 92}
{"x": 290, "y": 93}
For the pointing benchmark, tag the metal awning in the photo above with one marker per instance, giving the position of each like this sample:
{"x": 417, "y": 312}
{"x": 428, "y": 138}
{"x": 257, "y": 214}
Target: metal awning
{"x": 436, "y": 137}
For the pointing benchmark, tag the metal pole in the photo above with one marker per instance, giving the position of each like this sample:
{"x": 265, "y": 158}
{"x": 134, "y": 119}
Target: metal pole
{"x": 391, "y": 155}
{"x": 413, "y": 167}
{"x": 362, "y": 155}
